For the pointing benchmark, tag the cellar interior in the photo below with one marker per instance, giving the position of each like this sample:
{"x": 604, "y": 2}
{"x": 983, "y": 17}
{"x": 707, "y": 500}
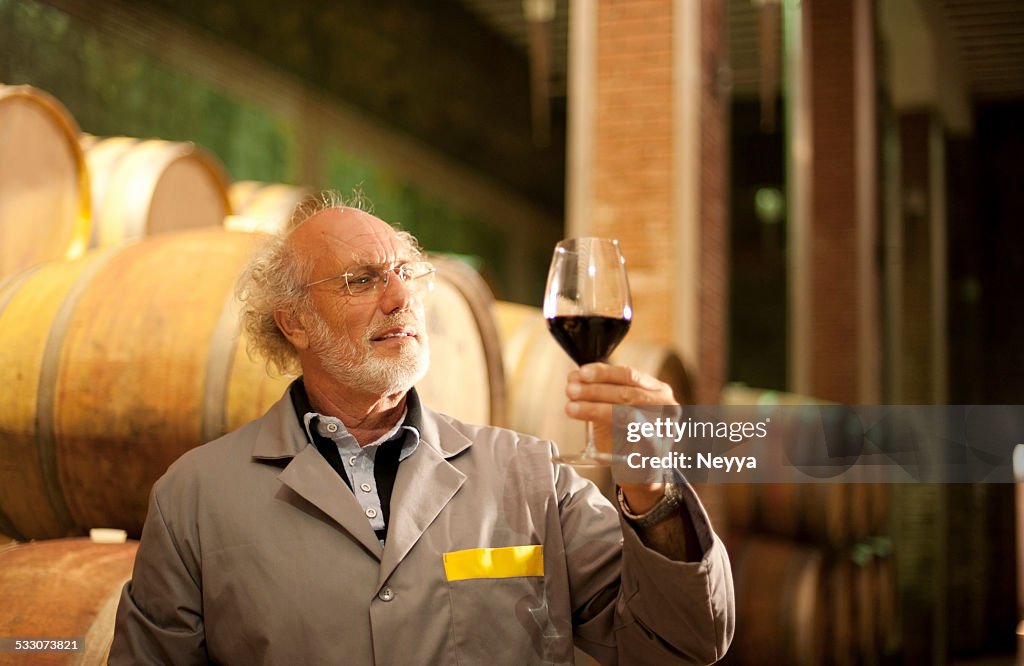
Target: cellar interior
{"x": 818, "y": 202}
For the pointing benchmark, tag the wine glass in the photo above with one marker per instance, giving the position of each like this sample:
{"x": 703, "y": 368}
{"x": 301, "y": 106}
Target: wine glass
{"x": 588, "y": 310}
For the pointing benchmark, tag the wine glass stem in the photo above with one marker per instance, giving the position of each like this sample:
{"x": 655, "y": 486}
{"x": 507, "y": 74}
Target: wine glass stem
{"x": 591, "y": 448}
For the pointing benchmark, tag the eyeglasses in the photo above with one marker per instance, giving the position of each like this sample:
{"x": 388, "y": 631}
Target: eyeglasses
{"x": 366, "y": 280}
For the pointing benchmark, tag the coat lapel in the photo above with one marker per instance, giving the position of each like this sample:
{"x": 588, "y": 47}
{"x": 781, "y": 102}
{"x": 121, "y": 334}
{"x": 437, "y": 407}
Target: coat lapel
{"x": 309, "y": 474}
{"x": 426, "y": 482}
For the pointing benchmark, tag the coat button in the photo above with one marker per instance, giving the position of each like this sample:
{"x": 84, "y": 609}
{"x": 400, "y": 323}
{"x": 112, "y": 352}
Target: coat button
{"x": 332, "y": 427}
{"x": 365, "y": 487}
{"x": 371, "y": 513}
{"x": 387, "y": 594}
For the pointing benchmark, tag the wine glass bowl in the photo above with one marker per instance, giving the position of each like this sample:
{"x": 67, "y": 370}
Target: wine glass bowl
{"x": 588, "y": 310}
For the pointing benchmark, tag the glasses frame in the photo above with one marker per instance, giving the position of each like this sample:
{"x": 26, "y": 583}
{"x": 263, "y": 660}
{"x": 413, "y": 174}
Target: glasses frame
{"x": 387, "y": 270}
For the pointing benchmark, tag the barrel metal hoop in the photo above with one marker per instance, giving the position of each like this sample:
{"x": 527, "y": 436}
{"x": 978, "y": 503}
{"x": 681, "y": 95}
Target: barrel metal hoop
{"x": 47, "y": 395}
{"x": 8, "y": 288}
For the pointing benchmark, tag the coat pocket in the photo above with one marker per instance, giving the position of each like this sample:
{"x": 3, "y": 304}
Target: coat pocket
{"x": 500, "y": 609}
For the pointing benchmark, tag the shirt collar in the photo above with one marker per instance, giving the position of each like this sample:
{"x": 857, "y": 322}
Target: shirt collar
{"x": 280, "y": 434}
{"x": 313, "y": 423}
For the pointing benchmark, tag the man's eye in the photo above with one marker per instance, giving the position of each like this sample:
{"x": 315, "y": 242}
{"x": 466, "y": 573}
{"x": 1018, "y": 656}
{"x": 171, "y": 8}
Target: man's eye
{"x": 362, "y": 278}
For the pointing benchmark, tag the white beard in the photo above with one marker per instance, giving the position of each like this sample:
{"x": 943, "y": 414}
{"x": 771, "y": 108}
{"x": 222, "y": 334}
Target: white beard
{"x": 363, "y": 369}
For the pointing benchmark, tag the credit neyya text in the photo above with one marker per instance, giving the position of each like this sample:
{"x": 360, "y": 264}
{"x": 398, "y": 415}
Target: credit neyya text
{"x": 665, "y": 430}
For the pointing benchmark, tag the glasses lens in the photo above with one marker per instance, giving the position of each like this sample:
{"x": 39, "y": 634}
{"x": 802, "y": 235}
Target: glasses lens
{"x": 363, "y": 280}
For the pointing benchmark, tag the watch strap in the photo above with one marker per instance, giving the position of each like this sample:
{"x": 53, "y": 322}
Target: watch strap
{"x": 666, "y": 507}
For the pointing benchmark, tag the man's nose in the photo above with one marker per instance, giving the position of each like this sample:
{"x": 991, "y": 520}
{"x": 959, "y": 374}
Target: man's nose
{"x": 397, "y": 294}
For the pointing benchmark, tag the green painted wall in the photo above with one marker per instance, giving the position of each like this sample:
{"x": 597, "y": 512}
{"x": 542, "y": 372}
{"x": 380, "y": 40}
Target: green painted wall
{"x": 112, "y": 89}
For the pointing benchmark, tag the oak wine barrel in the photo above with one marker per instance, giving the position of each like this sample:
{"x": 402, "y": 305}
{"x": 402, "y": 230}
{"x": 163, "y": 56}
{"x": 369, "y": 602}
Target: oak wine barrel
{"x": 782, "y": 604}
{"x": 44, "y": 186}
{"x": 145, "y": 187}
{"x": 111, "y": 367}
{"x": 794, "y": 605}
{"x": 66, "y": 589}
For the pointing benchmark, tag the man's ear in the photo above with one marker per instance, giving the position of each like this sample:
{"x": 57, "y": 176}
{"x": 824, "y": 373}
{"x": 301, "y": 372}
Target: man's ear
{"x": 292, "y": 327}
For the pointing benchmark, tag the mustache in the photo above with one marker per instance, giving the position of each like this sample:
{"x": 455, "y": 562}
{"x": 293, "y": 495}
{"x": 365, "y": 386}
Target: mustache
{"x": 396, "y": 320}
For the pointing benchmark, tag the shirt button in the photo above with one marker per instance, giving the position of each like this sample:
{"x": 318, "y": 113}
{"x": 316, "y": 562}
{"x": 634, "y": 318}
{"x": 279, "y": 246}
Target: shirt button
{"x": 387, "y": 594}
{"x": 332, "y": 427}
{"x": 352, "y": 461}
{"x": 371, "y": 513}
{"x": 365, "y": 487}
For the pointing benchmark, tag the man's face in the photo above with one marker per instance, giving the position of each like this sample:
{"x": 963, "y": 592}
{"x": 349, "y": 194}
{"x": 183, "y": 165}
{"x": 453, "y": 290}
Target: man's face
{"x": 375, "y": 342}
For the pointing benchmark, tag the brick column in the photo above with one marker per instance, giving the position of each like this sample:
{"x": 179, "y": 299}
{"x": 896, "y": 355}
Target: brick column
{"x": 647, "y": 165}
{"x": 835, "y": 332}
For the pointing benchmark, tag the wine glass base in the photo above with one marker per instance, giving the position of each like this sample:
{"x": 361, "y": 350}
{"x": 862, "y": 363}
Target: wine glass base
{"x": 586, "y": 459}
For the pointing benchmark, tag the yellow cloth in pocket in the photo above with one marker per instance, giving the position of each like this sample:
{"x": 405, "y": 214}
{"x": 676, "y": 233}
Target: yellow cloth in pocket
{"x": 508, "y": 562}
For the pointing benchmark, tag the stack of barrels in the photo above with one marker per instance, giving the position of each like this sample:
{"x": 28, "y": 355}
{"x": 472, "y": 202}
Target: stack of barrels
{"x": 117, "y": 347}
{"x": 120, "y": 349}
{"x": 813, "y": 565}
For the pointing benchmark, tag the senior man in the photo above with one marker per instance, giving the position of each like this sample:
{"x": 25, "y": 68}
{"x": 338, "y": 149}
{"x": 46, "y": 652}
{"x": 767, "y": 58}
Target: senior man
{"x": 353, "y": 525}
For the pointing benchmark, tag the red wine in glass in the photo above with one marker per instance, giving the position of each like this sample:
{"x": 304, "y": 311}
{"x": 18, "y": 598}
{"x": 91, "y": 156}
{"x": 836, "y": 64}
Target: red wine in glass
{"x": 588, "y": 308}
{"x": 588, "y": 338}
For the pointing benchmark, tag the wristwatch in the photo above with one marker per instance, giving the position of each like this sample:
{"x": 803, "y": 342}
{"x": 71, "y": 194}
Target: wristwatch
{"x": 666, "y": 507}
